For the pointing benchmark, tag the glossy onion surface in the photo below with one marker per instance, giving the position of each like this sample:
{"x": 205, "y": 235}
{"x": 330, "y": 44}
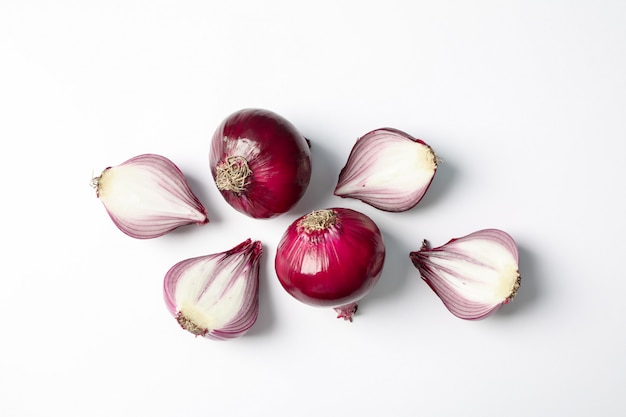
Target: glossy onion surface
{"x": 260, "y": 163}
{"x": 334, "y": 263}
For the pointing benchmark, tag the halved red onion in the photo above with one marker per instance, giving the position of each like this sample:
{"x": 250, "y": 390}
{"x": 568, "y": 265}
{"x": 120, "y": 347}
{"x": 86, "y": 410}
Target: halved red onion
{"x": 388, "y": 169}
{"x": 216, "y": 296}
{"x": 473, "y": 275}
{"x": 330, "y": 258}
{"x": 261, "y": 164}
{"x": 148, "y": 196}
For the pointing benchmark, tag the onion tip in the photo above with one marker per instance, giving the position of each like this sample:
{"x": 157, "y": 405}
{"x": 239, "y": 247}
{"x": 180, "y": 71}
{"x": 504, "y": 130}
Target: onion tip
{"x": 347, "y": 311}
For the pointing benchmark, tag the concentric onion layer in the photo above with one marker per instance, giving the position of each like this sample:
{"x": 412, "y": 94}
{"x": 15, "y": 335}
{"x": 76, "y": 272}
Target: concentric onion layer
{"x": 473, "y": 275}
{"x": 216, "y": 296}
{"x": 388, "y": 169}
{"x": 148, "y": 196}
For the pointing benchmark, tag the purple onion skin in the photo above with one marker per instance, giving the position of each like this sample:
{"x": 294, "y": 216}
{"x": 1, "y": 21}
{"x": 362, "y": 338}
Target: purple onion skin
{"x": 351, "y": 255}
{"x": 277, "y": 154}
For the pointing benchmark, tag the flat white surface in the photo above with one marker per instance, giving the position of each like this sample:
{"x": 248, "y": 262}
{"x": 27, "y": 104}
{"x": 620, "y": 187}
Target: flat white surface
{"x": 525, "y": 102}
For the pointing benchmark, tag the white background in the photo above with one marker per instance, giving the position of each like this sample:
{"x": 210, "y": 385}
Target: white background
{"x": 525, "y": 102}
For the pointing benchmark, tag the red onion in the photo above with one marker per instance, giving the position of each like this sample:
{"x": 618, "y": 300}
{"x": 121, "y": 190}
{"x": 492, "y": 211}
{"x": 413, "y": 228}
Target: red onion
{"x": 330, "y": 258}
{"x": 260, "y": 163}
{"x": 388, "y": 169}
{"x": 473, "y": 275}
{"x": 148, "y": 196}
{"x": 216, "y": 296}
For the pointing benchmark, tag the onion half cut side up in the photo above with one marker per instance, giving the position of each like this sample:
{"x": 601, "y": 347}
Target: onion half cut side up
{"x": 473, "y": 275}
{"x": 148, "y": 196}
{"x": 216, "y": 296}
{"x": 388, "y": 169}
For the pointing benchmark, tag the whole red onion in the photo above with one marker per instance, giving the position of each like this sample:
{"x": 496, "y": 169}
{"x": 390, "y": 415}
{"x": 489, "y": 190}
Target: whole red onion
{"x": 330, "y": 258}
{"x": 260, "y": 162}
